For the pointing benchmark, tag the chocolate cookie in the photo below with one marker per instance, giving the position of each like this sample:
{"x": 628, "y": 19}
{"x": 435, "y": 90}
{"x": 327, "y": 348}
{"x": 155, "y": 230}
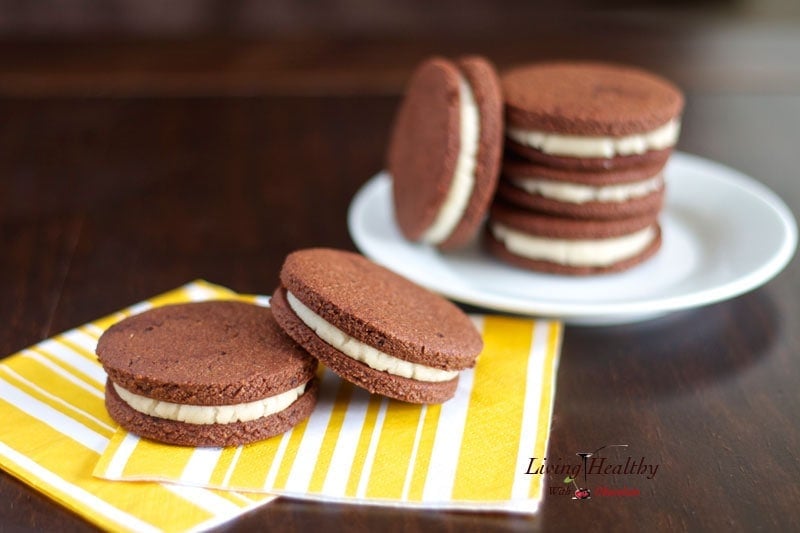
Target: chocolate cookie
{"x": 592, "y": 194}
{"x": 373, "y": 327}
{"x": 570, "y": 246}
{"x": 590, "y": 115}
{"x": 445, "y": 150}
{"x": 217, "y": 373}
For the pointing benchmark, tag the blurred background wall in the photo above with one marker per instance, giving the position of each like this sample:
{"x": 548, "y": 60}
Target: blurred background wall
{"x": 121, "y": 47}
{"x": 381, "y": 18}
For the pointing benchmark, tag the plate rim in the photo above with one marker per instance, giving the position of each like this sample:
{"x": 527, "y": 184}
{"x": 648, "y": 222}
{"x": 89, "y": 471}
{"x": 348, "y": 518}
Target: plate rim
{"x": 647, "y": 308}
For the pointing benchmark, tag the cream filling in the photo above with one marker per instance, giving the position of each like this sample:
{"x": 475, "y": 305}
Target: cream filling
{"x": 579, "y": 193}
{"x": 210, "y": 414}
{"x": 463, "y": 182}
{"x": 364, "y": 353}
{"x": 585, "y": 252}
{"x": 586, "y": 146}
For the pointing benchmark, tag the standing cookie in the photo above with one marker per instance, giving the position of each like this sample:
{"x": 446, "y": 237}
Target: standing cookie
{"x": 218, "y": 373}
{"x": 445, "y": 150}
{"x": 591, "y": 115}
{"x": 373, "y": 327}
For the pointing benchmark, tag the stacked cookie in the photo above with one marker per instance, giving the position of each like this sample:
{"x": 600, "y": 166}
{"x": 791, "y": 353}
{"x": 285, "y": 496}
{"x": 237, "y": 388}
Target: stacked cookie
{"x": 582, "y": 183}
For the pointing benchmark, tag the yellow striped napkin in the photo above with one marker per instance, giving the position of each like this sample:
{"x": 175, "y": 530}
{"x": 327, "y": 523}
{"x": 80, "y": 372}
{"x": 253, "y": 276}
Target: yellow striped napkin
{"x": 54, "y": 428}
{"x": 471, "y": 452}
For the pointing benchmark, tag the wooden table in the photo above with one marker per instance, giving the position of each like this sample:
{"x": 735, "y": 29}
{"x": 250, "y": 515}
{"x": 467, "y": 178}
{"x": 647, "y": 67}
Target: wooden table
{"x": 130, "y": 167}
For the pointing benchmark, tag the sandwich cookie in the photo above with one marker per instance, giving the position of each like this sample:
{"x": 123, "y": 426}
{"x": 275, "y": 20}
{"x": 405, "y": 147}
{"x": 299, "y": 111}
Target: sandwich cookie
{"x": 590, "y": 115}
{"x": 373, "y": 327}
{"x": 570, "y": 246}
{"x": 218, "y": 373}
{"x": 445, "y": 150}
{"x": 593, "y": 194}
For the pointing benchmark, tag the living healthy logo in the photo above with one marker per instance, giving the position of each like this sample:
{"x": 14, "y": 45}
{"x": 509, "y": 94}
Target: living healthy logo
{"x": 576, "y": 483}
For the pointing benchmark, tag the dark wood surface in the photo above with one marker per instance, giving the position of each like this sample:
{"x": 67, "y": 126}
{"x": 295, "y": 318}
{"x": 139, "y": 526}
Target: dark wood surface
{"x": 130, "y": 166}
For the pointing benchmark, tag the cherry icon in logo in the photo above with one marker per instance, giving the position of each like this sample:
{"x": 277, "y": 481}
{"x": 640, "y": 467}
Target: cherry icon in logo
{"x": 583, "y": 494}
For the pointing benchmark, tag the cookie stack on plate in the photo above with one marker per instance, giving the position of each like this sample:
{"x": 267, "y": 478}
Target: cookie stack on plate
{"x": 582, "y": 182}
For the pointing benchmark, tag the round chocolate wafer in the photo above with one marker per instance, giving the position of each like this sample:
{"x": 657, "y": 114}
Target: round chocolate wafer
{"x": 442, "y": 187}
{"x": 592, "y": 194}
{"x": 590, "y": 115}
{"x": 374, "y": 327}
{"x": 203, "y": 373}
{"x": 570, "y": 246}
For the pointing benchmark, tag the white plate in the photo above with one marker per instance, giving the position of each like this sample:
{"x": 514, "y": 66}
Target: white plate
{"x": 724, "y": 234}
